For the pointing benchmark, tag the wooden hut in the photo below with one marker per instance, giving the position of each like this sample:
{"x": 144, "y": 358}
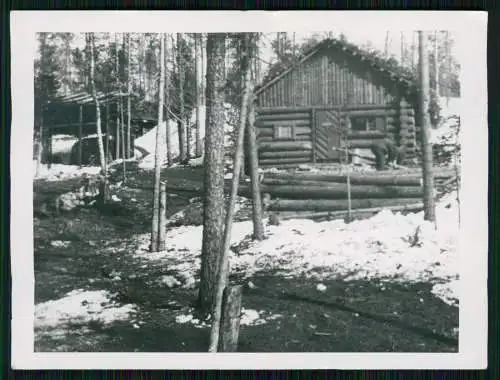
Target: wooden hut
{"x": 75, "y": 115}
{"x": 335, "y": 92}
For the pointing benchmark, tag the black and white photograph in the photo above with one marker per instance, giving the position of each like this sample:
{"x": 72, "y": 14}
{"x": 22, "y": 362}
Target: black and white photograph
{"x": 244, "y": 190}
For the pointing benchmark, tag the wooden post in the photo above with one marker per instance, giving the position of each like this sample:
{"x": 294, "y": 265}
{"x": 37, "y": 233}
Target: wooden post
{"x": 162, "y": 220}
{"x": 80, "y": 132}
{"x": 230, "y": 319}
{"x": 313, "y": 128}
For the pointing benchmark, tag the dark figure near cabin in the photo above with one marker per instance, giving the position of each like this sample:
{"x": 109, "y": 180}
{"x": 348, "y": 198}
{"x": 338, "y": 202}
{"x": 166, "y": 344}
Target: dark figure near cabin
{"x": 385, "y": 152}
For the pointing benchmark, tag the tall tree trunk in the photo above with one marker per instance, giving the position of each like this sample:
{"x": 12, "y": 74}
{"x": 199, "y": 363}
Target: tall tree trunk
{"x": 181, "y": 123}
{"x": 118, "y": 112}
{"x": 203, "y": 70}
{"x": 100, "y": 143}
{"x": 224, "y": 270}
{"x": 402, "y": 48}
{"x": 436, "y": 63}
{"x": 155, "y": 232}
{"x": 40, "y": 144}
{"x": 428, "y": 176}
{"x": 213, "y": 207}
{"x": 258, "y": 228}
{"x": 129, "y": 105}
{"x": 386, "y": 44}
{"x": 199, "y": 95}
{"x": 167, "y": 104}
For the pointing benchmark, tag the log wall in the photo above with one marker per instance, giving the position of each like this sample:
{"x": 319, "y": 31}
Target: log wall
{"x": 276, "y": 151}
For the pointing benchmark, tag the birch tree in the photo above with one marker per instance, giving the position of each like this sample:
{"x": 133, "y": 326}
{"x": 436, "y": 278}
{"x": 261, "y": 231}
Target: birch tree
{"x": 102, "y": 158}
{"x": 155, "y": 230}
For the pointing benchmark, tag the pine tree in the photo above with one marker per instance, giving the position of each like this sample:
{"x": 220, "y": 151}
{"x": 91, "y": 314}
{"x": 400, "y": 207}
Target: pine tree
{"x": 213, "y": 208}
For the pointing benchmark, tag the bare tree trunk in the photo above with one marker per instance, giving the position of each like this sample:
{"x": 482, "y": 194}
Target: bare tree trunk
{"x": 129, "y": 105}
{"x": 386, "y": 44}
{"x": 155, "y": 233}
{"x": 102, "y": 157}
{"x": 402, "y": 48}
{"x": 118, "y": 113}
{"x": 39, "y": 145}
{"x": 199, "y": 95}
{"x": 181, "y": 124}
{"x": 224, "y": 267}
{"x": 258, "y": 228}
{"x": 213, "y": 207}
{"x": 167, "y": 105}
{"x": 428, "y": 176}
{"x": 436, "y": 63}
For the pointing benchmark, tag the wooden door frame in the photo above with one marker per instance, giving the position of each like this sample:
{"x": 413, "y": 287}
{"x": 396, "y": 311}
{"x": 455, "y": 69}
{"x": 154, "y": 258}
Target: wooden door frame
{"x": 314, "y": 125}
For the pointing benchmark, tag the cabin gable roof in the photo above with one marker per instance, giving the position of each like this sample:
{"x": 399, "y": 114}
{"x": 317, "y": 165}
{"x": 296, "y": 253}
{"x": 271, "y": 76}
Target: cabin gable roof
{"x": 388, "y": 68}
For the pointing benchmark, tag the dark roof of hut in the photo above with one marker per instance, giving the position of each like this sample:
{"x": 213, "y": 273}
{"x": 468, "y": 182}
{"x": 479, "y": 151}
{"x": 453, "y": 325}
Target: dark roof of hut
{"x": 83, "y": 98}
{"x": 388, "y": 67}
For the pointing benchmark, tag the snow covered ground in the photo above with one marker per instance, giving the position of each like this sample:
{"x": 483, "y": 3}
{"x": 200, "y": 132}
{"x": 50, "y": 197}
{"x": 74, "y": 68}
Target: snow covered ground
{"x": 59, "y": 172}
{"x": 147, "y": 142}
{"x": 58, "y": 318}
{"x": 386, "y": 247}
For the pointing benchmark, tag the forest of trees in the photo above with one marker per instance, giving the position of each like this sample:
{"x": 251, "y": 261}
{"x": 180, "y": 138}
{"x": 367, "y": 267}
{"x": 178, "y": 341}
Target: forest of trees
{"x": 169, "y": 75}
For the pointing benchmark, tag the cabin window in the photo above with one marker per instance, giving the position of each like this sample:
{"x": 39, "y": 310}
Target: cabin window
{"x": 368, "y": 123}
{"x": 284, "y": 132}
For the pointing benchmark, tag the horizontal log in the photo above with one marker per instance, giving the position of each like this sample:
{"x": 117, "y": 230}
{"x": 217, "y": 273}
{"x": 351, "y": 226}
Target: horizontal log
{"x": 335, "y": 204}
{"x": 355, "y": 179}
{"x": 281, "y": 117}
{"x": 362, "y": 144}
{"x": 285, "y": 145}
{"x": 374, "y": 112}
{"x": 279, "y": 161}
{"x": 391, "y": 120}
{"x": 358, "y": 107}
{"x": 339, "y": 191}
{"x": 355, "y": 214}
{"x": 410, "y": 175}
{"x": 285, "y": 154}
{"x": 303, "y": 136}
{"x": 268, "y": 139}
{"x": 302, "y": 129}
{"x": 359, "y": 135}
{"x": 280, "y": 110}
{"x": 280, "y": 166}
{"x": 272, "y": 123}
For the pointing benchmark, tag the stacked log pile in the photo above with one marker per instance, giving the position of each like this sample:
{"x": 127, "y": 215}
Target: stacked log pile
{"x": 324, "y": 195}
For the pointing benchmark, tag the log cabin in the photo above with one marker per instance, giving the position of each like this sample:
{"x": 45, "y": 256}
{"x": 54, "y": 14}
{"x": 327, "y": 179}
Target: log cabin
{"x": 334, "y": 95}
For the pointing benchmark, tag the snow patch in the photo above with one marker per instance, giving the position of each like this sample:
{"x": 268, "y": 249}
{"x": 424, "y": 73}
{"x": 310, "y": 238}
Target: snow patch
{"x": 388, "y": 247}
{"x": 58, "y": 172}
{"x": 81, "y": 307}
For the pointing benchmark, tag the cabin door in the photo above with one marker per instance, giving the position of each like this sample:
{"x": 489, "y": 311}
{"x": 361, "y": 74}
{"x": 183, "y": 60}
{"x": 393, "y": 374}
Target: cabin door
{"x": 328, "y": 138}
